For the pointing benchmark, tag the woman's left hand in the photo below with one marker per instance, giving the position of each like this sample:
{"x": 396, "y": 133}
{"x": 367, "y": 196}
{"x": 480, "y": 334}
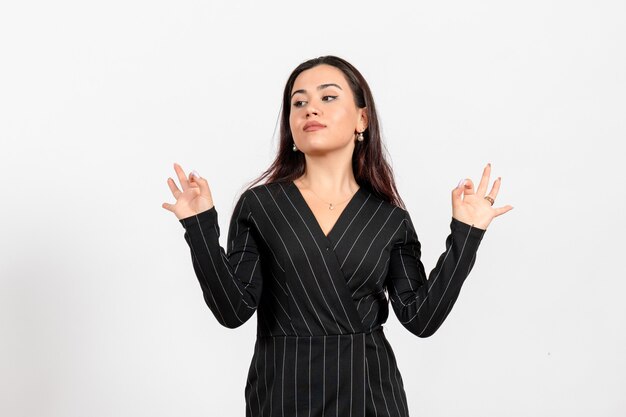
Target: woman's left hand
{"x": 474, "y": 208}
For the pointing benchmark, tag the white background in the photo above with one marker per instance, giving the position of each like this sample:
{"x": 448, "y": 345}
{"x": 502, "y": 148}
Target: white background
{"x": 100, "y": 311}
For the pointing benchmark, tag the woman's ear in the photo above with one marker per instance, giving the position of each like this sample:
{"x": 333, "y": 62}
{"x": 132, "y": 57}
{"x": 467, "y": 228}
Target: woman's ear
{"x": 363, "y": 121}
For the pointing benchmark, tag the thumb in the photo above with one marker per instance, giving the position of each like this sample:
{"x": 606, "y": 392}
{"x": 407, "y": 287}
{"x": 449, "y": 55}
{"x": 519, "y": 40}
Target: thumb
{"x": 200, "y": 182}
{"x": 193, "y": 179}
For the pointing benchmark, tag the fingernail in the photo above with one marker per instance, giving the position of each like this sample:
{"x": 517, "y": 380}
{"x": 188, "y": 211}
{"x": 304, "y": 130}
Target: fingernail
{"x": 489, "y": 163}
{"x": 460, "y": 183}
{"x": 195, "y": 174}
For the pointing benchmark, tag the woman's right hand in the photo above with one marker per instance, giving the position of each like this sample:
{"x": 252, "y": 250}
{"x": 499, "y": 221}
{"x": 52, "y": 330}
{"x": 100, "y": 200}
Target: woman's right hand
{"x": 195, "y": 197}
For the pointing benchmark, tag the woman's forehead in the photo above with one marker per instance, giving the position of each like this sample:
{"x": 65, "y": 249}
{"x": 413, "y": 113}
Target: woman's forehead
{"x": 319, "y": 75}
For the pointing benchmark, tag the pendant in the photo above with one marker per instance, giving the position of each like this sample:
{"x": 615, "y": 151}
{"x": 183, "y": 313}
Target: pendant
{"x": 330, "y": 207}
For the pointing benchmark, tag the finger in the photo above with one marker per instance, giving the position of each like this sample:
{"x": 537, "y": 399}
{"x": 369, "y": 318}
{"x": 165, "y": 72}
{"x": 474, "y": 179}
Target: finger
{"x": 203, "y": 184}
{"x": 173, "y": 188}
{"x": 495, "y": 188}
{"x": 469, "y": 187}
{"x": 484, "y": 181}
{"x": 193, "y": 179}
{"x": 184, "y": 183}
{"x": 168, "y": 207}
{"x": 501, "y": 210}
{"x": 457, "y": 192}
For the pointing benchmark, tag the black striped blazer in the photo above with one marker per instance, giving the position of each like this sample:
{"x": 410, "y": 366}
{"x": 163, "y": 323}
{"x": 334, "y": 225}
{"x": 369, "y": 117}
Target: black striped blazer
{"x": 321, "y": 300}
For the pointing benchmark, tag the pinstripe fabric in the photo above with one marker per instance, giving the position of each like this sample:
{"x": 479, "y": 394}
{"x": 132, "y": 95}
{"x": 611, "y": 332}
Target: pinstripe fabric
{"x": 321, "y": 300}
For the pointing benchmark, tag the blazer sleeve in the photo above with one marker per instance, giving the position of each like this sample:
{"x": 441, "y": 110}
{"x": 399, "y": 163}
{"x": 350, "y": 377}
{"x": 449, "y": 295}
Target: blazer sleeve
{"x": 422, "y": 304}
{"x": 231, "y": 280}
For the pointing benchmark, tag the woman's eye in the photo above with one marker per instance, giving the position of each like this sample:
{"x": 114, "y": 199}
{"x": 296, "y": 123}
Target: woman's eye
{"x": 328, "y": 98}
{"x": 298, "y": 103}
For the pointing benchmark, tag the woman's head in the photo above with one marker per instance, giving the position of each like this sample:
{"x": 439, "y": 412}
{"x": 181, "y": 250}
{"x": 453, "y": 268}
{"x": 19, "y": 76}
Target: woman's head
{"x": 319, "y": 94}
{"x": 359, "y": 92}
{"x": 323, "y": 113}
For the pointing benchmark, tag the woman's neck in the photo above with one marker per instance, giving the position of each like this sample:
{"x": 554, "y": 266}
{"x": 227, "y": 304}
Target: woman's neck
{"x": 328, "y": 176}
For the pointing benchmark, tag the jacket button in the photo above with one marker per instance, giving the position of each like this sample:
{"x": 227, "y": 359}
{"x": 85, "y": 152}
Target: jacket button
{"x": 327, "y": 248}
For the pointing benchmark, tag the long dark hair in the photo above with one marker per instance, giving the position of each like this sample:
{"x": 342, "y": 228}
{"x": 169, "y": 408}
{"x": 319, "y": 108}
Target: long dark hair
{"x": 369, "y": 163}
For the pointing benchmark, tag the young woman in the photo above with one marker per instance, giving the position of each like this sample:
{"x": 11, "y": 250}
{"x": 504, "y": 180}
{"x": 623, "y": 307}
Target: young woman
{"x": 319, "y": 249}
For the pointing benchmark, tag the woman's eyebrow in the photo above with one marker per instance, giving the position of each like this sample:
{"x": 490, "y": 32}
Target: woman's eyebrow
{"x": 319, "y": 87}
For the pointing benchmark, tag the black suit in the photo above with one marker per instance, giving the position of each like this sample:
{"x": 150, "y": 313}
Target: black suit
{"x": 321, "y": 300}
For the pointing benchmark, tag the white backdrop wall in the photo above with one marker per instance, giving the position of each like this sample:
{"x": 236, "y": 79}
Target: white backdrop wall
{"x": 100, "y": 311}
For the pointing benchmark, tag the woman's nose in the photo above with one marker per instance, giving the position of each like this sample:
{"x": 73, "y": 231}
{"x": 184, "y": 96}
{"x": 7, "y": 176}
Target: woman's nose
{"x": 311, "y": 109}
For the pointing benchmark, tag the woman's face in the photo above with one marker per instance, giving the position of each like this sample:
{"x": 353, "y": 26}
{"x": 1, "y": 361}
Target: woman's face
{"x": 324, "y": 116}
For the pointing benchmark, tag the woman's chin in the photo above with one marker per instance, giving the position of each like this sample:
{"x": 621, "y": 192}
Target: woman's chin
{"x": 321, "y": 149}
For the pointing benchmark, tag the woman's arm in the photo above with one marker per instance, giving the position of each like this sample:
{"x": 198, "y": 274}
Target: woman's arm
{"x": 422, "y": 304}
{"x": 231, "y": 281}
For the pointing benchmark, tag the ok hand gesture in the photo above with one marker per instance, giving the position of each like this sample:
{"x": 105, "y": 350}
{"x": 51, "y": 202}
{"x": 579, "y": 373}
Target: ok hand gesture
{"x": 476, "y": 207}
{"x": 195, "y": 197}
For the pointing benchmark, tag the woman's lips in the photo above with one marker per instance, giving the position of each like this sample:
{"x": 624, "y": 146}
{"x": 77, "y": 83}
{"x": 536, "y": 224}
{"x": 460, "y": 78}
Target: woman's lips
{"x": 313, "y": 128}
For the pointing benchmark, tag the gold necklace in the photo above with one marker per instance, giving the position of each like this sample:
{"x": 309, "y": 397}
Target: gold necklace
{"x": 332, "y": 206}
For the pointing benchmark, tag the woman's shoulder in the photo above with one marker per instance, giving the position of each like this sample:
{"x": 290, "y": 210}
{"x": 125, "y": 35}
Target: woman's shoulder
{"x": 383, "y": 204}
{"x": 266, "y": 192}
